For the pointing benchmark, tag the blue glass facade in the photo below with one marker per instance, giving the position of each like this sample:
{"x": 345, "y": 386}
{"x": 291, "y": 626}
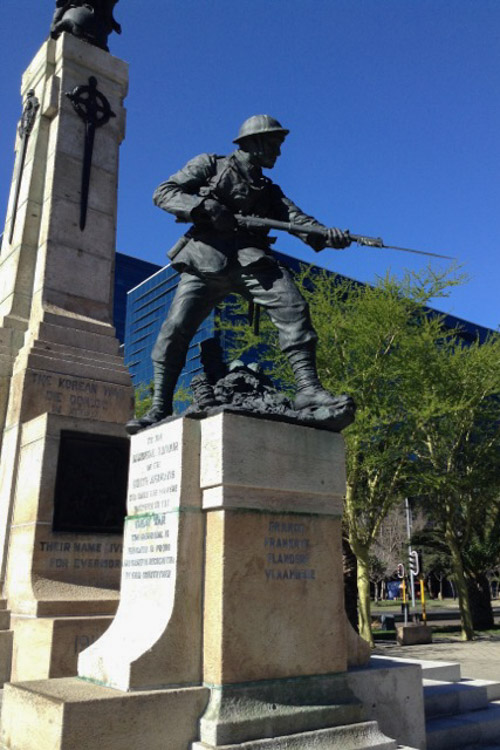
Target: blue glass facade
{"x": 129, "y": 272}
{"x": 147, "y": 307}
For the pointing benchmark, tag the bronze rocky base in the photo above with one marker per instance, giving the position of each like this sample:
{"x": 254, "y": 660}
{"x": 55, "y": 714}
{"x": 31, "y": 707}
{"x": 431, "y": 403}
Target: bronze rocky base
{"x": 245, "y": 389}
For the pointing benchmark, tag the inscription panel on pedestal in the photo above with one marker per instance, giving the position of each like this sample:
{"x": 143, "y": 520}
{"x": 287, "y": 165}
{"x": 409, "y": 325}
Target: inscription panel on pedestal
{"x": 86, "y": 555}
{"x": 155, "y": 638}
{"x": 76, "y": 397}
{"x": 155, "y": 466}
{"x": 154, "y": 495}
{"x": 150, "y": 547}
{"x": 288, "y": 551}
{"x": 273, "y": 596}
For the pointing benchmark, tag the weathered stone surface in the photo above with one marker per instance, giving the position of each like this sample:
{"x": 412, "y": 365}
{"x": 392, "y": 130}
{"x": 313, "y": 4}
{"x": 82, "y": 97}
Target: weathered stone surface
{"x": 239, "y": 713}
{"x": 60, "y": 355}
{"x": 275, "y": 636}
{"x": 264, "y": 465}
{"x": 46, "y": 647}
{"x": 67, "y": 576}
{"x": 60, "y": 370}
{"x": 51, "y": 266}
{"x": 409, "y": 635}
{"x": 361, "y": 736}
{"x": 36, "y": 551}
{"x": 273, "y": 597}
{"x": 273, "y": 576}
{"x": 67, "y": 714}
{"x": 155, "y": 639}
{"x": 358, "y": 650}
{"x": 392, "y": 694}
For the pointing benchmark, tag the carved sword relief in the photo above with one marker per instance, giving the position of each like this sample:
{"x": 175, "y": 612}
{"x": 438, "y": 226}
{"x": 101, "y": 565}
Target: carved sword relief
{"x": 31, "y": 106}
{"x": 95, "y": 111}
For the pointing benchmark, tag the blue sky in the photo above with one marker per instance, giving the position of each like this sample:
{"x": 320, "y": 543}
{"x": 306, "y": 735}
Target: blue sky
{"x": 393, "y": 107}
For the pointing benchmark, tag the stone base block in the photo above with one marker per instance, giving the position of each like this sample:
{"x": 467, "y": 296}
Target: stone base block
{"x": 49, "y": 646}
{"x": 409, "y": 635}
{"x": 70, "y": 713}
{"x": 240, "y": 713}
{"x": 363, "y": 736}
{"x": 6, "y": 640}
{"x": 392, "y": 695}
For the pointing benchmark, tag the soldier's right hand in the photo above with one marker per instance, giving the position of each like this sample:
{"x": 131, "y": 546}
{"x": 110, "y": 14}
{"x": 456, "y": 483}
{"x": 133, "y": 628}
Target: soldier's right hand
{"x": 220, "y": 216}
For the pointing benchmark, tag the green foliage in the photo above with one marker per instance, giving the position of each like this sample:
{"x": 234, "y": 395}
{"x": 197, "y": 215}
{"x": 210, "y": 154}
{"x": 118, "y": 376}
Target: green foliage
{"x": 373, "y": 343}
{"x": 428, "y": 410}
{"x": 143, "y": 396}
{"x": 144, "y": 399}
{"x": 458, "y": 451}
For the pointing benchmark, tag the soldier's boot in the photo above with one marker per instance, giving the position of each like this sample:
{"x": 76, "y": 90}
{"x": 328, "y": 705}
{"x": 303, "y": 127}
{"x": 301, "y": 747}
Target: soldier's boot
{"x": 164, "y": 381}
{"x": 310, "y": 392}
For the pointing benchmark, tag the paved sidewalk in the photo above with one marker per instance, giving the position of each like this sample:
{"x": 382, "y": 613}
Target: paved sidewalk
{"x": 479, "y": 659}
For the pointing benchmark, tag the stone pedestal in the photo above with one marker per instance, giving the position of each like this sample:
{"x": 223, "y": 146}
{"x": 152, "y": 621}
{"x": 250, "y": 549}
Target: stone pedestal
{"x": 69, "y": 714}
{"x": 275, "y": 637}
{"x": 231, "y": 629}
{"x": 272, "y": 494}
{"x": 61, "y": 373}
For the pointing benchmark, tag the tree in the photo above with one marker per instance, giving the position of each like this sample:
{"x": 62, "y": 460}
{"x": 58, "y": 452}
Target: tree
{"x": 350, "y": 567}
{"x": 458, "y": 452}
{"x": 367, "y": 339}
{"x": 390, "y": 547}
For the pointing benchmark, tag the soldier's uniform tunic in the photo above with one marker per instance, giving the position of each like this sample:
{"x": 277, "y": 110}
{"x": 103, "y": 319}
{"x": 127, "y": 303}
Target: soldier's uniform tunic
{"x": 215, "y": 264}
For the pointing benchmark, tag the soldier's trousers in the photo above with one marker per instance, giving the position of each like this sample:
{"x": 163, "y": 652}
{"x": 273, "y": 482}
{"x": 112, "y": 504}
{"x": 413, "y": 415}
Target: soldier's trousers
{"x": 266, "y": 283}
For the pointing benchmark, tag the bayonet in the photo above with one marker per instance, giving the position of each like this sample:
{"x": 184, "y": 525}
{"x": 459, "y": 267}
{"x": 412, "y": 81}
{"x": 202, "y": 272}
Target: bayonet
{"x": 257, "y": 221}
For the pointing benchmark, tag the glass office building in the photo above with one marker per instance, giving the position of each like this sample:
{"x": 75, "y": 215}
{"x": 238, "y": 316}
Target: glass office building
{"x": 129, "y": 272}
{"x": 147, "y": 307}
{"x": 148, "y": 304}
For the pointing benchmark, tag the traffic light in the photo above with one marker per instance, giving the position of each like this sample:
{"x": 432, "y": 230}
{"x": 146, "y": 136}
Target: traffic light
{"x": 401, "y": 570}
{"x": 414, "y": 563}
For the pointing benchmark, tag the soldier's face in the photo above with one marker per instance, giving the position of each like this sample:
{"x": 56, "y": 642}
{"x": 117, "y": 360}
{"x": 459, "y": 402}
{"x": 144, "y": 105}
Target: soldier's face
{"x": 266, "y": 149}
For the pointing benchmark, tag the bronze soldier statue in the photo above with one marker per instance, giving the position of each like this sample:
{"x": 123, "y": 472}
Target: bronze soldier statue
{"x": 220, "y": 255}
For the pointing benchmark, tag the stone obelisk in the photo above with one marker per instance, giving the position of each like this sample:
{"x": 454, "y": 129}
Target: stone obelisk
{"x": 64, "y": 390}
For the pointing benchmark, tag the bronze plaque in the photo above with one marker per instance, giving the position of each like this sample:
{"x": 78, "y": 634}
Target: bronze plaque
{"x": 91, "y": 483}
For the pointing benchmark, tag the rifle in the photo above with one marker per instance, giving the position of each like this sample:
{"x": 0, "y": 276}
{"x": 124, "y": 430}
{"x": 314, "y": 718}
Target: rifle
{"x": 254, "y": 221}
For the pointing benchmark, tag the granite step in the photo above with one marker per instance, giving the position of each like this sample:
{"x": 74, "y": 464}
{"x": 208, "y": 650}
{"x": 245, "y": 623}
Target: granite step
{"x": 362, "y": 736}
{"x": 452, "y": 698}
{"x": 445, "y": 671}
{"x": 461, "y": 731}
{"x": 492, "y": 687}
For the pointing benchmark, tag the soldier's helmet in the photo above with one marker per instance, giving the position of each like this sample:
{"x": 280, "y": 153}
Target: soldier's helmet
{"x": 260, "y": 125}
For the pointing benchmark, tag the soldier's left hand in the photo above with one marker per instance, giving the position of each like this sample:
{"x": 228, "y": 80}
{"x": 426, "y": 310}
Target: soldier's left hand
{"x": 337, "y": 239}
